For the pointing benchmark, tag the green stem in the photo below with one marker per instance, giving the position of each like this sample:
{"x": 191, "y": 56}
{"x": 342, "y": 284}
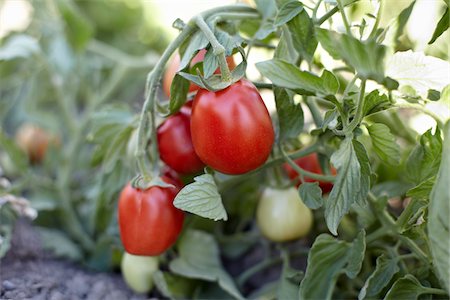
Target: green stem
{"x": 436, "y": 291}
{"x": 263, "y": 85}
{"x": 303, "y": 172}
{"x": 359, "y": 112}
{"x": 218, "y": 49}
{"x": 344, "y": 17}
{"x": 382, "y": 231}
{"x": 377, "y": 20}
{"x": 328, "y": 15}
{"x": 315, "y": 111}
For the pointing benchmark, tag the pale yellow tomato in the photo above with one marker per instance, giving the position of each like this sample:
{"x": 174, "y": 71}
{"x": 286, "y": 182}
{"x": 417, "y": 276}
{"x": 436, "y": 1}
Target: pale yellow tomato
{"x": 137, "y": 271}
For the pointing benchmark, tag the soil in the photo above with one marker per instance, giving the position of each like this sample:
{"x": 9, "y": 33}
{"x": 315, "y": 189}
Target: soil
{"x": 28, "y": 272}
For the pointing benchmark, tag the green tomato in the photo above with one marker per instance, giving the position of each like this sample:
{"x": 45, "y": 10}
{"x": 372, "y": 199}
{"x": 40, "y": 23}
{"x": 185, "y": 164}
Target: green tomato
{"x": 282, "y": 216}
{"x": 138, "y": 271}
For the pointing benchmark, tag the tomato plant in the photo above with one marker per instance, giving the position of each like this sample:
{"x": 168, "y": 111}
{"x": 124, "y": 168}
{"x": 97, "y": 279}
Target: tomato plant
{"x": 282, "y": 216}
{"x": 138, "y": 271}
{"x": 149, "y": 223}
{"x": 174, "y": 66}
{"x": 231, "y": 129}
{"x": 175, "y": 143}
{"x": 309, "y": 163}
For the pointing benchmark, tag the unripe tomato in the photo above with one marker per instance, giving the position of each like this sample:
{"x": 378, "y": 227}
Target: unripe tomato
{"x": 231, "y": 129}
{"x": 137, "y": 271}
{"x": 175, "y": 143}
{"x": 34, "y": 141}
{"x": 174, "y": 64}
{"x": 149, "y": 223}
{"x": 282, "y": 216}
{"x": 309, "y": 163}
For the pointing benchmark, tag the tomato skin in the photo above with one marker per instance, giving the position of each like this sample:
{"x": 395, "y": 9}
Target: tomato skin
{"x": 231, "y": 129}
{"x": 175, "y": 143}
{"x": 174, "y": 65}
{"x": 137, "y": 271}
{"x": 309, "y": 163}
{"x": 171, "y": 174}
{"x": 35, "y": 141}
{"x": 149, "y": 223}
{"x": 282, "y": 216}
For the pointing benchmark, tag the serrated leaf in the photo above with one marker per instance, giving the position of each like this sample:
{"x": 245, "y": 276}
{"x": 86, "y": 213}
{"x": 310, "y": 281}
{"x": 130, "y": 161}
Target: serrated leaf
{"x": 303, "y": 36}
{"x": 367, "y": 57}
{"x": 423, "y": 161}
{"x": 384, "y": 144}
{"x": 407, "y": 287}
{"x": 197, "y": 42}
{"x": 423, "y": 72}
{"x": 329, "y": 258}
{"x": 385, "y": 269}
{"x": 364, "y": 181}
{"x": 423, "y": 190}
{"x": 287, "y": 12}
{"x": 375, "y": 102}
{"x": 441, "y": 27}
{"x": 311, "y": 194}
{"x": 438, "y": 224}
{"x": 201, "y": 198}
{"x": 199, "y": 259}
{"x": 284, "y": 51}
{"x": 290, "y": 115}
{"x": 19, "y": 46}
{"x": 284, "y": 74}
{"x": 356, "y": 255}
{"x": 346, "y": 186}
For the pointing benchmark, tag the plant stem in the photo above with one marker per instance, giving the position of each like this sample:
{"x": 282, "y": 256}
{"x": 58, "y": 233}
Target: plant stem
{"x": 344, "y": 17}
{"x": 263, "y": 85}
{"x": 328, "y": 15}
{"x": 359, "y": 112}
{"x": 315, "y": 111}
{"x": 303, "y": 172}
{"x": 377, "y": 20}
{"x": 423, "y": 109}
{"x": 218, "y": 49}
{"x": 377, "y": 234}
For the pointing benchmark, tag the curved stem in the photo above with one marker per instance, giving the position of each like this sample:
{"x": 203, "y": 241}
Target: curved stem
{"x": 315, "y": 111}
{"x": 377, "y": 20}
{"x": 344, "y": 17}
{"x": 423, "y": 109}
{"x": 359, "y": 112}
{"x": 303, "y": 172}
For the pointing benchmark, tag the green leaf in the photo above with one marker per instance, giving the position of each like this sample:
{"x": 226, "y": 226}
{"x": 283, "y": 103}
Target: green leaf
{"x": 329, "y": 258}
{"x": 16, "y": 154}
{"x": 198, "y": 41}
{"x": 364, "y": 181}
{"x": 415, "y": 209}
{"x": 19, "y": 46}
{"x": 346, "y": 186}
{"x": 289, "y": 283}
{"x": 397, "y": 29}
{"x": 407, "y": 287}
{"x": 433, "y": 95}
{"x": 383, "y": 142}
{"x": 441, "y": 26}
{"x": 287, "y": 12}
{"x": 284, "y": 74}
{"x": 438, "y": 225}
{"x": 375, "y": 102}
{"x": 423, "y": 161}
{"x": 423, "y": 190}
{"x": 385, "y": 269}
{"x": 356, "y": 255}
{"x": 178, "y": 93}
{"x": 199, "y": 259}
{"x": 78, "y": 28}
{"x": 201, "y": 198}
{"x": 290, "y": 115}
{"x": 267, "y": 8}
{"x": 311, "y": 194}
{"x": 173, "y": 286}
{"x": 367, "y": 58}
{"x": 303, "y": 36}
{"x": 284, "y": 51}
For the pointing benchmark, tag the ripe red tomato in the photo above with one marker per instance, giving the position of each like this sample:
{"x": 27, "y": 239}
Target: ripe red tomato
{"x": 309, "y": 163}
{"x": 175, "y": 143}
{"x": 174, "y": 64}
{"x": 170, "y": 173}
{"x": 149, "y": 223}
{"x": 231, "y": 129}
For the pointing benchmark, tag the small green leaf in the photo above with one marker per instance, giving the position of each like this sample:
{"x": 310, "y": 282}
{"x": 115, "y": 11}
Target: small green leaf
{"x": 346, "y": 186}
{"x": 284, "y": 51}
{"x": 423, "y": 190}
{"x": 199, "y": 259}
{"x": 356, "y": 255}
{"x": 433, "y": 95}
{"x": 423, "y": 161}
{"x": 385, "y": 269}
{"x": 311, "y": 194}
{"x": 289, "y": 283}
{"x": 438, "y": 228}
{"x": 407, "y": 287}
{"x": 441, "y": 26}
{"x": 201, "y": 198}
{"x": 415, "y": 209}
{"x": 367, "y": 58}
{"x": 375, "y": 102}
{"x": 284, "y": 74}
{"x": 364, "y": 180}
{"x": 178, "y": 93}
{"x": 173, "y": 286}
{"x": 303, "y": 35}
{"x": 383, "y": 142}
{"x": 290, "y": 115}
{"x": 197, "y": 42}
{"x": 287, "y": 12}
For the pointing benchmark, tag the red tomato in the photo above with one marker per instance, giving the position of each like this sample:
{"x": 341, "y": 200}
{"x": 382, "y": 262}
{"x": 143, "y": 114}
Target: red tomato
{"x": 310, "y": 163}
{"x": 170, "y": 173}
{"x": 149, "y": 223}
{"x": 175, "y": 143}
{"x": 231, "y": 129}
{"x": 174, "y": 64}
